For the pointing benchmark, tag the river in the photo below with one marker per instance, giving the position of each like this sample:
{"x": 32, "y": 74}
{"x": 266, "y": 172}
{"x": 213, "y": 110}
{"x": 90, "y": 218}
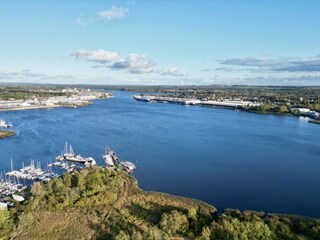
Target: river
{"x": 227, "y": 158}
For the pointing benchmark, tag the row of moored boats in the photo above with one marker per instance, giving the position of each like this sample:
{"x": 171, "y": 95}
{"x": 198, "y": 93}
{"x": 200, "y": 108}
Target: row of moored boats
{"x": 14, "y": 181}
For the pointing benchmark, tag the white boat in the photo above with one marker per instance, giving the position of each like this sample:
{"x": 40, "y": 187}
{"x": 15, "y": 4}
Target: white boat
{"x": 143, "y": 98}
{"x": 128, "y": 166}
{"x": 66, "y": 153}
{"x": 111, "y": 159}
{"x": 18, "y": 198}
{"x": 4, "y": 124}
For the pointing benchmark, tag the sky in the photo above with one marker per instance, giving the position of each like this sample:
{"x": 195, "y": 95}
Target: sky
{"x": 164, "y": 42}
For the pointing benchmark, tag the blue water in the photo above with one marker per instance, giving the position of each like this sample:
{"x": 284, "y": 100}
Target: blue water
{"x": 224, "y": 157}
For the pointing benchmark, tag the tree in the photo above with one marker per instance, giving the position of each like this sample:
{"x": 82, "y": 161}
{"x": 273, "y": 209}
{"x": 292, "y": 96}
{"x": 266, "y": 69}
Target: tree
{"x": 283, "y": 109}
{"x": 136, "y": 235}
{"x": 37, "y": 189}
{"x": 5, "y": 218}
{"x": 122, "y": 236}
{"x": 192, "y": 214}
{"x": 155, "y": 234}
{"x": 206, "y": 233}
{"x": 67, "y": 179}
{"x": 296, "y": 112}
{"x": 174, "y": 222}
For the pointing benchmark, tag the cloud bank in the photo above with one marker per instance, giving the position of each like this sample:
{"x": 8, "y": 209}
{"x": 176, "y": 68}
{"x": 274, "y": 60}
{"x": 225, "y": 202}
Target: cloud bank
{"x": 98, "y": 56}
{"x": 277, "y": 64}
{"x": 133, "y": 63}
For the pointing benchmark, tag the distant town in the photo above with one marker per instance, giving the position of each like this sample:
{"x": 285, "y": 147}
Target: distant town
{"x": 297, "y": 101}
{"x": 48, "y": 98}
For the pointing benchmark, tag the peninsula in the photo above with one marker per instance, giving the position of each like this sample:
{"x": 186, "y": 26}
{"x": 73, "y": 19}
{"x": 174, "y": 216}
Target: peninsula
{"x": 4, "y": 134}
{"x": 39, "y": 97}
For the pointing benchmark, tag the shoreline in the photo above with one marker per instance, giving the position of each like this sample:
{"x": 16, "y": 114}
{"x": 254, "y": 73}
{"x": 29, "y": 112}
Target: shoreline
{"x": 28, "y": 108}
{"x": 237, "y": 108}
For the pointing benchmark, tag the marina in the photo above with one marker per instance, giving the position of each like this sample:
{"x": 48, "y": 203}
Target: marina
{"x": 13, "y": 182}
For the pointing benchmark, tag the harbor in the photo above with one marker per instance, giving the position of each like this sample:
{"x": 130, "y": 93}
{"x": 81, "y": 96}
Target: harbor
{"x": 15, "y": 181}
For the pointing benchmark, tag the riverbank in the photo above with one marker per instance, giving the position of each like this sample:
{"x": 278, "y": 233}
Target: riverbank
{"x": 28, "y": 108}
{"x": 71, "y": 98}
{"x": 245, "y": 106}
{"x": 100, "y": 203}
{"x": 46, "y": 107}
{"x": 4, "y": 134}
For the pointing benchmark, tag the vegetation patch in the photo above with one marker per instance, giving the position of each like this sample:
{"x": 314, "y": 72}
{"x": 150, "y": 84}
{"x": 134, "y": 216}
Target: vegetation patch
{"x": 99, "y": 203}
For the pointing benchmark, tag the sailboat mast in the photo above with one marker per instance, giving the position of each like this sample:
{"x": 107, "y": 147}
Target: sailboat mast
{"x": 11, "y": 165}
{"x": 66, "y": 148}
{"x": 71, "y": 150}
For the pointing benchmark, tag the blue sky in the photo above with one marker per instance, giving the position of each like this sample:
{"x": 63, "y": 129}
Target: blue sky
{"x": 160, "y": 42}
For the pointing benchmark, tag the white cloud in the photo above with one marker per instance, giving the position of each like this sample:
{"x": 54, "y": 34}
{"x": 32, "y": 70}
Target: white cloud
{"x": 100, "y": 56}
{"x": 175, "y": 72}
{"x": 135, "y": 63}
{"x": 113, "y": 13}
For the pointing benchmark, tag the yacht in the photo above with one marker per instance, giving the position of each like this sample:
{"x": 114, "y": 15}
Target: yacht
{"x": 4, "y": 124}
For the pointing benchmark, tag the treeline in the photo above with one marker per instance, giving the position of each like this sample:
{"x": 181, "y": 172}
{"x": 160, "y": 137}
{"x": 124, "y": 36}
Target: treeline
{"x": 99, "y": 203}
{"x": 28, "y": 91}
